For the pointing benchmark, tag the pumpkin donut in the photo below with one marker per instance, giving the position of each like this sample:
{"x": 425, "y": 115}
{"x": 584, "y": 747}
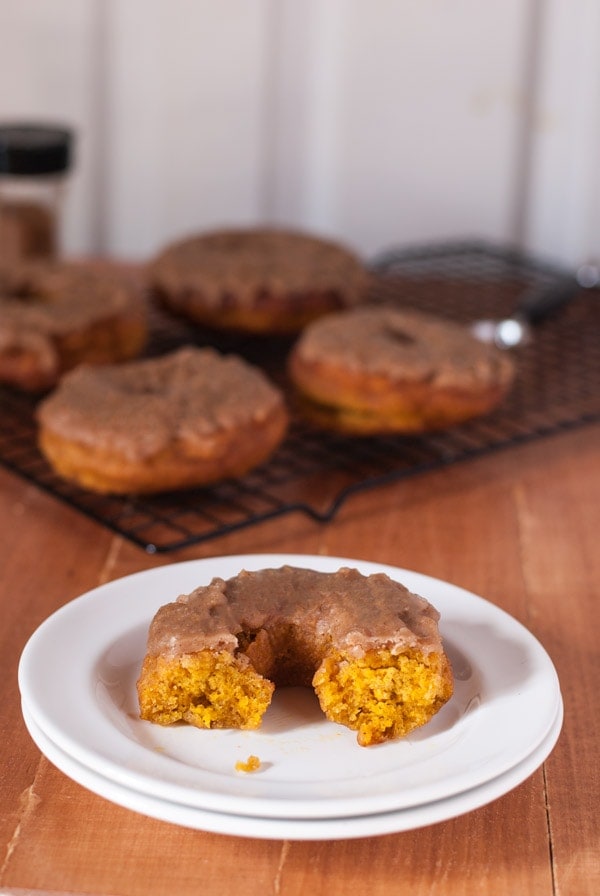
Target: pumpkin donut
{"x": 188, "y": 418}
{"x": 257, "y": 281}
{"x": 370, "y": 648}
{"x": 378, "y": 370}
{"x": 56, "y": 315}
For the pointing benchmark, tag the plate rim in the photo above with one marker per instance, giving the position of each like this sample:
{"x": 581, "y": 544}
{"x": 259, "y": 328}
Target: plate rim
{"x": 248, "y": 804}
{"x": 267, "y": 828}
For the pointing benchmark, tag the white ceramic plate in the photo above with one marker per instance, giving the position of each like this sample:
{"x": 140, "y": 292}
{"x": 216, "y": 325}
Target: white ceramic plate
{"x": 296, "y": 828}
{"x": 77, "y": 678}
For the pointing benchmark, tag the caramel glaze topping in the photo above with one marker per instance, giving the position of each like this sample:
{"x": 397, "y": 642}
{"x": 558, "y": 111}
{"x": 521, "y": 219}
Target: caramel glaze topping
{"x": 345, "y": 610}
{"x": 138, "y": 408}
{"x": 46, "y": 300}
{"x": 58, "y": 297}
{"x": 245, "y": 263}
{"x": 404, "y": 346}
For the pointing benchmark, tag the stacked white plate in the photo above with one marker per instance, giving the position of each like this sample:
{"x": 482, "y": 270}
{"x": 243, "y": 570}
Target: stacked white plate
{"x": 77, "y": 678}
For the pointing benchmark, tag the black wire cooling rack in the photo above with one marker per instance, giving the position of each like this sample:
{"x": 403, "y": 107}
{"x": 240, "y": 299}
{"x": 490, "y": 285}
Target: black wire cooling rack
{"x": 314, "y": 473}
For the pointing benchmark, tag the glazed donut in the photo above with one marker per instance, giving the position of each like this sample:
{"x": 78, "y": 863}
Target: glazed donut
{"x": 370, "y": 648}
{"x": 185, "y": 419}
{"x": 378, "y": 370}
{"x": 257, "y": 281}
{"x": 56, "y": 315}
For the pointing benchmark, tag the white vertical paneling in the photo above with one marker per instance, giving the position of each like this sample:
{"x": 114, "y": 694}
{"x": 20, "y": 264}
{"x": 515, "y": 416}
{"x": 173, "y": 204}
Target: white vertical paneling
{"x": 564, "y": 188}
{"x": 289, "y": 109}
{"x": 411, "y": 120}
{"x": 47, "y": 53}
{"x": 388, "y": 121}
{"x": 187, "y": 119}
{"x": 305, "y": 101}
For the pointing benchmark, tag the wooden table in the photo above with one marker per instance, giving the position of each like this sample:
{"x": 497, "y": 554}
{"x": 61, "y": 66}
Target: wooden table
{"x": 520, "y": 527}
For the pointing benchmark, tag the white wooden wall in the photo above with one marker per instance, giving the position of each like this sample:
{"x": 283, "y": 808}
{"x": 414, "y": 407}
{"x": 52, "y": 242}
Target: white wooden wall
{"x": 382, "y": 122}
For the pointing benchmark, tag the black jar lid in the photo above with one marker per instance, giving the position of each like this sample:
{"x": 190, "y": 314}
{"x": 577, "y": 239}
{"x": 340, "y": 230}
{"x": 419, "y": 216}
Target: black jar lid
{"x": 33, "y": 149}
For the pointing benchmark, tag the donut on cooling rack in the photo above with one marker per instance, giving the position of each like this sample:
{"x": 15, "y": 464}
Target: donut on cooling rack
{"x": 376, "y": 370}
{"x": 55, "y": 315}
{"x": 257, "y": 281}
{"x": 188, "y": 418}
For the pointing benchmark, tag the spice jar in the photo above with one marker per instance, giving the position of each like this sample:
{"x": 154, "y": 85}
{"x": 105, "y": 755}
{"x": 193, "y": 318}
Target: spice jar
{"x": 34, "y": 163}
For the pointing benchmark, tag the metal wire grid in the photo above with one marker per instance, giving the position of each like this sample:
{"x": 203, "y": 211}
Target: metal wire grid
{"x": 314, "y": 473}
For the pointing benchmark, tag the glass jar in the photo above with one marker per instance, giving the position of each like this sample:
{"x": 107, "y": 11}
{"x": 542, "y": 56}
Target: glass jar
{"x": 34, "y": 163}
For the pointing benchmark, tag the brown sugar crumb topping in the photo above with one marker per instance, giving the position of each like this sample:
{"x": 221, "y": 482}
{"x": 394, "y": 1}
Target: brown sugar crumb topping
{"x": 246, "y": 263}
{"x": 57, "y": 297}
{"x": 403, "y": 346}
{"x": 138, "y": 408}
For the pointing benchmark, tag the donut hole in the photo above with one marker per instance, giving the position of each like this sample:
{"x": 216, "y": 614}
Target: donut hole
{"x": 141, "y": 389}
{"x": 283, "y": 653}
{"x": 401, "y": 337}
{"x": 22, "y": 291}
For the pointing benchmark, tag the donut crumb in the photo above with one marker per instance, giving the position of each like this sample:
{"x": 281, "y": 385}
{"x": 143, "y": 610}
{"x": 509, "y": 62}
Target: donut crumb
{"x": 251, "y": 764}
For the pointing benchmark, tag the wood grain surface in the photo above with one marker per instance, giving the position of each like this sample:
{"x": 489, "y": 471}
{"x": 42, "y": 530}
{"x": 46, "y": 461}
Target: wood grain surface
{"x": 520, "y": 527}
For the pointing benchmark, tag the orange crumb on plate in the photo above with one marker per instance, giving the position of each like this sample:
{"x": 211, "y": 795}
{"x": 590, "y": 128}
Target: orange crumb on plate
{"x": 251, "y": 764}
